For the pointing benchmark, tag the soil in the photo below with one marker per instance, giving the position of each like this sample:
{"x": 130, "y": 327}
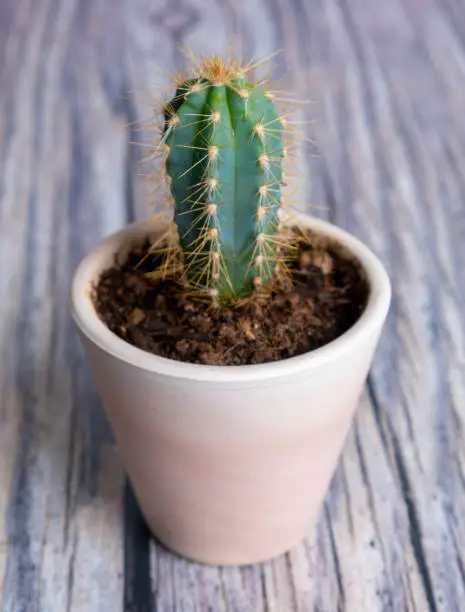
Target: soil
{"x": 326, "y": 297}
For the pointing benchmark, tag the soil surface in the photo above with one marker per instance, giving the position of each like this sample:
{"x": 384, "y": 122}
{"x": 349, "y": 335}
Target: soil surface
{"x": 325, "y": 298}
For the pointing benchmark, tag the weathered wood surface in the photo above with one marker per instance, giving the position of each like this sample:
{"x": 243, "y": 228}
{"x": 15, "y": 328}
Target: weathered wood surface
{"x": 389, "y": 78}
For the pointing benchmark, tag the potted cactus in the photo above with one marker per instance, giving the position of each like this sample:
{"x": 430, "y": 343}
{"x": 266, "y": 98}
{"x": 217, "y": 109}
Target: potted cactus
{"x": 215, "y": 336}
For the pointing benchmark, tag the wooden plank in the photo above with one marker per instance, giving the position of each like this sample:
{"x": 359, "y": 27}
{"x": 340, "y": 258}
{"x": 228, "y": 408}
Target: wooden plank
{"x": 414, "y": 397}
{"x": 63, "y": 175}
{"x": 13, "y": 214}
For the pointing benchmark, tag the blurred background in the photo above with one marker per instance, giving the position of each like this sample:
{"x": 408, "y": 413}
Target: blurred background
{"x": 386, "y": 81}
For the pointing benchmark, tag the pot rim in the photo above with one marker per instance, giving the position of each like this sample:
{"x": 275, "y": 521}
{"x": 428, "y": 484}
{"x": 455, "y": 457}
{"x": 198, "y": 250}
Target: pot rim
{"x": 89, "y": 323}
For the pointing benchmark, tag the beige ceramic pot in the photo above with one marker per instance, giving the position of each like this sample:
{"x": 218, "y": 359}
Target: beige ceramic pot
{"x": 230, "y": 464}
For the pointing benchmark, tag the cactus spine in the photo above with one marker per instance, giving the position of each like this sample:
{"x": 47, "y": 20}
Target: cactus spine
{"x": 224, "y": 148}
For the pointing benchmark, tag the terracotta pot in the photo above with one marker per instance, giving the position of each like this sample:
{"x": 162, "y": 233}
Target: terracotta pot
{"x": 230, "y": 464}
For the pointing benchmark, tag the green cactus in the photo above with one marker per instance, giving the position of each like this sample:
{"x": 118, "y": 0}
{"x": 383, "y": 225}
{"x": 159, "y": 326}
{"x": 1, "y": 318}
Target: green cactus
{"x": 224, "y": 149}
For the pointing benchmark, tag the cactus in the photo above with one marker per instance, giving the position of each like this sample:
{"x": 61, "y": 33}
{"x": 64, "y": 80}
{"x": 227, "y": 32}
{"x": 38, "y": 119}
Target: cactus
{"x": 224, "y": 148}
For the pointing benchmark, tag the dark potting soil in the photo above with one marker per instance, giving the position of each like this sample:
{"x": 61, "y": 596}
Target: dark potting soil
{"x": 326, "y": 297}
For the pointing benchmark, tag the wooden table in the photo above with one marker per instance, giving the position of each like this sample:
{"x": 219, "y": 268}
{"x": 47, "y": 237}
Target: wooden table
{"x": 389, "y": 79}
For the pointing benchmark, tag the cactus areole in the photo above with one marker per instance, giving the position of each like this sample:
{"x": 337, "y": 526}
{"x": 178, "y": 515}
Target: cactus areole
{"x": 224, "y": 150}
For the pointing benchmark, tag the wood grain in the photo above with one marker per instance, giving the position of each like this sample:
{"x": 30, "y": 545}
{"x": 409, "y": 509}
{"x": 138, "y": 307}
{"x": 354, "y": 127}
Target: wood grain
{"x": 388, "y": 79}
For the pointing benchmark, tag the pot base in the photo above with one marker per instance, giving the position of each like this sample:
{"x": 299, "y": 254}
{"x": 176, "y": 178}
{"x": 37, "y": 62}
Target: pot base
{"x": 232, "y": 560}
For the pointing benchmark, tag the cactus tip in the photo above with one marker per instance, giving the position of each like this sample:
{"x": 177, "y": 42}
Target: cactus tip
{"x": 195, "y": 88}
